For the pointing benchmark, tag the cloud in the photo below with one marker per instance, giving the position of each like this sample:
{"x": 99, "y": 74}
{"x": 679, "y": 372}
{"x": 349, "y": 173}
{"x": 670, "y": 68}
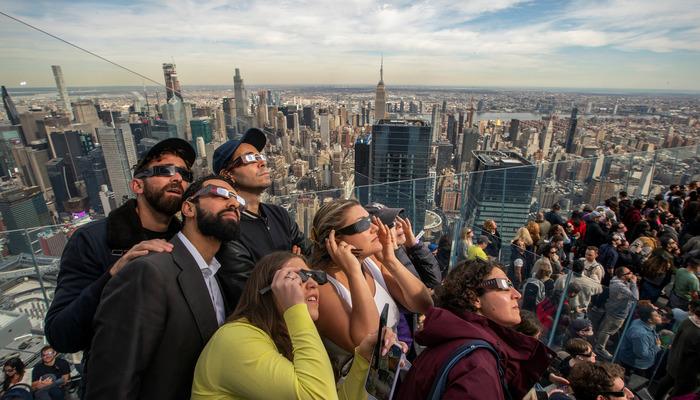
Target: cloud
{"x": 302, "y": 41}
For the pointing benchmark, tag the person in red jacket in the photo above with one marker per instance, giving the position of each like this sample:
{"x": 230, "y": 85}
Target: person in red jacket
{"x": 476, "y": 301}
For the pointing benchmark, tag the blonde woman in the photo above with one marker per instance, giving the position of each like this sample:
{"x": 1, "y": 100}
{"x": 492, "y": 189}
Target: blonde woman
{"x": 522, "y": 256}
{"x": 361, "y": 284}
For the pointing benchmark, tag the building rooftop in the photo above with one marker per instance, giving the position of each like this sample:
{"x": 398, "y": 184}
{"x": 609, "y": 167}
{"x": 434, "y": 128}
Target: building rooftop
{"x": 502, "y": 159}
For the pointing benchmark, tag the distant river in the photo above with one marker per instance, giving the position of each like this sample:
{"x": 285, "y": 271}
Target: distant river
{"x": 506, "y": 116}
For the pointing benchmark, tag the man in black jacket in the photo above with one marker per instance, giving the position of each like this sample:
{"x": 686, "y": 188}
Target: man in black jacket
{"x": 156, "y": 316}
{"x": 264, "y": 227}
{"x": 98, "y": 251}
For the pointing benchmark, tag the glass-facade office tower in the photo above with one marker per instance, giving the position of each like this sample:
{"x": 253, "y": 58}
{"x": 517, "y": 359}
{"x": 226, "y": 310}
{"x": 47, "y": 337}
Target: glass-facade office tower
{"x": 120, "y": 156}
{"x": 201, "y": 127}
{"x": 500, "y": 188}
{"x": 362, "y": 168}
{"x": 23, "y": 208}
{"x": 400, "y": 158}
{"x": 94, "y": 173}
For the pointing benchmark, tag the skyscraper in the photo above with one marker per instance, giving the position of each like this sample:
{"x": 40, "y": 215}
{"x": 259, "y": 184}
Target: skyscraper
{"x": 31, "y": 163}
{"x": 201, "y": 127}
{"x": 10, "y": 108}
{"x": 547, "y": 136}
{"x": 62, "y": 91}
{"x": 400, "y": 157}
{"x": 380, "y": 96}
{"x": 229, "y": 106}
{"x": 174, "y": 112}
{"x": 58, "y": 176}
{"x": 241, "y": 102}
{"x": 23, "y": 208}
{"x": 9, "y": 138}
{"x": 324, "y": 121}
{"x": 514, "y": 130}
{"x": 69, "y": 145}
{"x": 435, "y": 124}
{"x": 86, "y": 113}
{"x": 362, "y": 167}
{"x": 570, "y": 148}
{"x": 500, "y": 188}
{"x": 172, "y": 84}
{"x": 308, "y": 116}
{"x": 120, "y": 156}
{"x": 470, "y": 142}
{"x": 94, "y": 173}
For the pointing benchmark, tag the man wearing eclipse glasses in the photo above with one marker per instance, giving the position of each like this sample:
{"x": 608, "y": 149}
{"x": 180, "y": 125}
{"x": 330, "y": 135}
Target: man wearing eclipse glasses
{"x": 265, "y": 228}
{"x": 98, "y": 251}
{"x": 157, "y": 314}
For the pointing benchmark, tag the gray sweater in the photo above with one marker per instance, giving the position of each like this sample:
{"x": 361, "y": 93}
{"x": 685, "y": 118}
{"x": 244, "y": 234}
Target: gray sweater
{"x": 620, "y": 299}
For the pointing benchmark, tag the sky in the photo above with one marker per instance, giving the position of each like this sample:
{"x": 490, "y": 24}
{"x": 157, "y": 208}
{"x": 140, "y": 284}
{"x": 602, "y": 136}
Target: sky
{"x": 627, "y": 44}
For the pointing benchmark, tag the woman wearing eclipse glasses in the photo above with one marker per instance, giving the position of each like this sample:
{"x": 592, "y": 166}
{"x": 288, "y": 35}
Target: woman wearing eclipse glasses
{"x": 477, "y": 301}
{"x": 270, "y": 348}
{"x": 358, "y": 254}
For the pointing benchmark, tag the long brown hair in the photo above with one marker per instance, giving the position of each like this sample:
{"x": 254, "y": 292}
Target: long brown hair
{"x": 327, "y": 218}
{"x": 260, "y": 310}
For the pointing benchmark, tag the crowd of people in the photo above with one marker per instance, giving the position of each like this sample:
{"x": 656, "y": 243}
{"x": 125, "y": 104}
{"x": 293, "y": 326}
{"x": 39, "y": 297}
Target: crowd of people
{"x": 199, "y": 289}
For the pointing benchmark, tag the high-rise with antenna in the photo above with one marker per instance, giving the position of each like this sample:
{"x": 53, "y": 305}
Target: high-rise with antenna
{"x": 62, "y": 91}
{"x": 380, "y": 95}
{"x": 241, "y": 102}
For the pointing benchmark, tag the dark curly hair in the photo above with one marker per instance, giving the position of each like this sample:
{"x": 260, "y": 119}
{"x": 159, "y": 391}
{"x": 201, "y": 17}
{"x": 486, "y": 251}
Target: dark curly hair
{"x": 588, "y": 380}
{"x": 460, "y": 290}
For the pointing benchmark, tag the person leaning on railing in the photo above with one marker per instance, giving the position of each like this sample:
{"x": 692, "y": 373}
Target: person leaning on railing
{"x": 270, "y": 348}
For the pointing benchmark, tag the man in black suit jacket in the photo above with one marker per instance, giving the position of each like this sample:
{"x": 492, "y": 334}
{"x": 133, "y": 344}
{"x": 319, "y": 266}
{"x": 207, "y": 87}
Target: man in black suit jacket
{"x": 157, "y": 314}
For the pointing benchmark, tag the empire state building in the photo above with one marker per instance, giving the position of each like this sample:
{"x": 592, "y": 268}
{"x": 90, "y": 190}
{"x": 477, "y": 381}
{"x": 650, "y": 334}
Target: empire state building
{"x": 380, "y": 96}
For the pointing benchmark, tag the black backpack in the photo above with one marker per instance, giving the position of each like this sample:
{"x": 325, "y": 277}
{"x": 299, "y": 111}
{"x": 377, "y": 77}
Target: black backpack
{"x": 438, "y": 388}
{"x": 532, "y": 295}
{"x": 20, "y": 391}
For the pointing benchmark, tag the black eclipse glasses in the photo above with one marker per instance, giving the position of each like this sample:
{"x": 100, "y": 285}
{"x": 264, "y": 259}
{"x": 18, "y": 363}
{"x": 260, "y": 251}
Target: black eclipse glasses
{"x": 319, "y": 277}
{"x": 357, "y": 227}
{"x": 165, "y": 170}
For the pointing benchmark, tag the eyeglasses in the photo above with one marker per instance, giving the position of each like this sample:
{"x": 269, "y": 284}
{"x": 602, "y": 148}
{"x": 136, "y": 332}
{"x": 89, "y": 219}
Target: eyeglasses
{"x": 248, "y": 158}
{"x": 357, "y": 227}
{"x": 497, "y": 284}
{"x": 319, "y": 277}
{"x": 220, "y": 192}
{"x": 165, "y": 170}
{"x": 48, "y": 354}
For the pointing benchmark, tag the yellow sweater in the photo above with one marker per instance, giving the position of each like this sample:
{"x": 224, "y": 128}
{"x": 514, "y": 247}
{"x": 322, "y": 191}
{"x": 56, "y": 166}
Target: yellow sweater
{"x": 242, "y": 362}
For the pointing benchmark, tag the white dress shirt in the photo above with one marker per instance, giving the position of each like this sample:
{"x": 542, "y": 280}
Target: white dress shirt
{"x": 208, "y": 272}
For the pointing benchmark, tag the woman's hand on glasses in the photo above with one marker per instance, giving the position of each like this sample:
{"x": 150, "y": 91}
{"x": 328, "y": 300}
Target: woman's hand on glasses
{"x": 287, "y": 288}
{"x": 408, "y": 231}
{"x": 388, "y": 242}
{"x": 344, "y": 255}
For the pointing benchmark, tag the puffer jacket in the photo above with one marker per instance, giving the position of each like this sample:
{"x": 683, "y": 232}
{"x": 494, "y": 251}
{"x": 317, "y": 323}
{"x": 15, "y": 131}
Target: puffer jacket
{"x": 524, "y": 359}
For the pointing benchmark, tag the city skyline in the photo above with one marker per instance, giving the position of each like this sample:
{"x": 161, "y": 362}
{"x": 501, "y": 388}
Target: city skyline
{"x": 507, "y": 43}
